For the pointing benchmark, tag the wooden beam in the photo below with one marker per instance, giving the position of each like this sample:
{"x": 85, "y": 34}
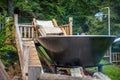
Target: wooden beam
{"x": 70, "y": 24}
{"x": 48, "y": 76}
{"x": 15, "y": 19}
{"x": 54, "y": 23}
{"x": 32, "y": 33}
{"x": 29, "y": 33}
{"x": 25, "y": 34}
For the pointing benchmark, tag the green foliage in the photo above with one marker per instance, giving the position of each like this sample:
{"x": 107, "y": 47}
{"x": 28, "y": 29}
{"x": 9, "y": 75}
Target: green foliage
{"x": 6, "y": 36}
{"x": 45, "y": 53}
{"x": 82, "y": 12}
{"x": 96, "y": 27}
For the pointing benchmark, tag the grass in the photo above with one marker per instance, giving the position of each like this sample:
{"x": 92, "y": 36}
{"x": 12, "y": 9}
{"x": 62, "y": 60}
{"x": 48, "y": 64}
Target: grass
{"x": 112, "y": 71}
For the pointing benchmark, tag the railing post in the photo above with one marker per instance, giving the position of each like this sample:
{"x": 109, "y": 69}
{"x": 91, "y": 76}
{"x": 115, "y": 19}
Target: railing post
{"x": 18, "y": 32}
{"x": 36, "y": 33}
{"x": 15, "y": 19}
{"x": 70, "y": 24}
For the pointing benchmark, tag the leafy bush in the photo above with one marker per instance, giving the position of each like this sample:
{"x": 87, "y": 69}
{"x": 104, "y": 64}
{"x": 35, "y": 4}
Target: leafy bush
{"x": 6, "y": 37}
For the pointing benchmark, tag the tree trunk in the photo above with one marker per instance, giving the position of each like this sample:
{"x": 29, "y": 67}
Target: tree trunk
{"x": 10, "y": 8}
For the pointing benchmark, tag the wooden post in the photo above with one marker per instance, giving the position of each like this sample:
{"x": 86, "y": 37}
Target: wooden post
{"x": 15, "y": 19}
{"x": 32, "y": 33}
{"x": 34, "y": 22}
{"x": 54, "y": 23}
{"x": 25, "y": 32}
{"x": 21, "y": 31}
{"x": 29, "y": 32}
{"x": 70, "y": 24}
{"x": 18, "y": 32}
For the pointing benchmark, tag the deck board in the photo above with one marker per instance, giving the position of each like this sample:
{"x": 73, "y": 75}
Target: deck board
{"x": 33, "y": 56}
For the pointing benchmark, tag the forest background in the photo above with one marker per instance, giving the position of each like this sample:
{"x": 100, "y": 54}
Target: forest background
{"x": 82, "y": 11}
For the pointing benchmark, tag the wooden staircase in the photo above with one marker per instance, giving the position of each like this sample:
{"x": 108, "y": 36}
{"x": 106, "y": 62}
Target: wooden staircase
{"x": 30, "y": 64}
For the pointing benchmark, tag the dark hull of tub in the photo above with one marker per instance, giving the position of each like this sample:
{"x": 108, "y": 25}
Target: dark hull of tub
{"x": 69, "y": 51}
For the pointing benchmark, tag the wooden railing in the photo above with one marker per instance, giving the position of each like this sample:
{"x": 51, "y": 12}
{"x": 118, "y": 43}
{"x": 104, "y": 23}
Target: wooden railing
{"x": 116, "y": 57}
{"x": 23, "y": 49}
{"x": 26, "y": 32}
{"x": 67, "y": 29}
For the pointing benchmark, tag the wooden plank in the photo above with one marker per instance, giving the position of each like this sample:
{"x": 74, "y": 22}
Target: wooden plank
{"x": 33, "y": 56}
{"x": 68, "y": 30}
{"x": 34, "y": 64}
{"x": 27, "y": 39}
{"x": 29, "y": 33}
{"x": 15, "y": 19}
{"x": 32, "y": 33}
{"x": 70, "y": 24}
{"x": 19, "y": 51}
{"x": 26, "y": 62}
{"x": 54, "y": 23}
{"x": 63, "y": 30}
{"x": 22, "y": 25}
{"x": 42, "y": 32}
{"x": 25, "y": 32}
{"x": 48, "y": 76}
{"x": 21, "y": 32}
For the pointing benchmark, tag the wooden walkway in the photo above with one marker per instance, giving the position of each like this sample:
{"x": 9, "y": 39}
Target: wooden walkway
{"x": 33, "y": 65}
{"x": 33, "y": 57}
